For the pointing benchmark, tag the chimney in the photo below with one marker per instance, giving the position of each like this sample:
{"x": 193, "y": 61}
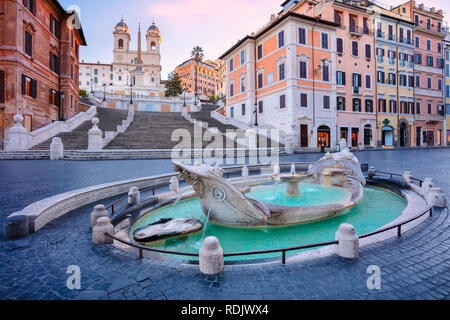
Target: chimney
{"x": 433, "y": 10}
{"x": 440, "y": 12}
{"x": 421, "y": 6}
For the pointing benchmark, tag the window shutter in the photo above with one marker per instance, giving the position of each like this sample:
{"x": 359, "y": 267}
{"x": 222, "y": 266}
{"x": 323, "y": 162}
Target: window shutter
{"x": 33, "y": 88}
{"x": 24, "y": 84}
{"x": 2, "y": 86}
{"x": 50, "y": 96}
{"x": 359, "y": 80}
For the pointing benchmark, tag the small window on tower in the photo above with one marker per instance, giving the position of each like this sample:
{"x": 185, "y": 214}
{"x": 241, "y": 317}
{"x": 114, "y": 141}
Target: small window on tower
{"x": 153, "y": 46}
{"x": 120, "y": 44}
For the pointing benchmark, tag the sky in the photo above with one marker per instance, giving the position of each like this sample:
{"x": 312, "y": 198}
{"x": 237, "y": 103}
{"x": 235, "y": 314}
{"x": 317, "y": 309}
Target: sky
{"x": 214, "y": 25}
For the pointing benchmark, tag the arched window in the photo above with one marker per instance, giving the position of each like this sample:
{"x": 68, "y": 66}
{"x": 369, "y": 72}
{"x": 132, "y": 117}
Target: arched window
{"x": 120, "y": 43}
{"x": 337, "y": 18}
{"x": 153, "y": 46}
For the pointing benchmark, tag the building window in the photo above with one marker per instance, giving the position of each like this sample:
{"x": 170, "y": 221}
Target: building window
{"x": 418, "y": 107}
{"x": 303, "y": 100}
{"x": 303, "y": 70}
{"x": 232, "y": 112}
{"x": 260, "y": 80}
{"x": 337, "y": 18}
{"x": 430, "y": 108}
{"x": 231, "y": 65}
{"x": 242, "y": 58}
{"x": 417, "y": 81}
{"x": 280, "y": 39}
{"x": 301, "y": 36}
{"x": 260, "y": 107}
{"x": 326, "y": 102}
{"x": 53, "y": 97}
{"x": 281, "y": 72}
{"x": 55, "y": 26}
{"x": 282, "y": 101}
{"x": 429, "y": 80}
{"x": 340, "y": 103}
{"x": 260, "y": 51}
{"x": 355, "y": 48}
{"x": 325, "y": 73}
{"x": 429, "y": 45}
{"x": 243, "y": 84}
{"x": 368, "y": 81}
{"x": 357, "y": 105}
{"x": 324, "y": 41}
{"x": 231, "y": 89}
{"x": 392, "y": 79}
{"x": 439, "y": 84}
{"x": 30, "y": 5}
{"x": 54, "y": 63}
{"x": 369, "y": 105}
{"x": 393, "y": 106}
{"x": 28, "y": 43}
{"x": 29, "y": 87}
{"x": 380, "y": 77}
{"x": 340, "y": 45}
{"x": 340, "y": 78}
{"x": 243, "y": 109}
{"x": 368, "y": 51}
{"x": 417, "y": 42}
{"x": 439, "y": 47}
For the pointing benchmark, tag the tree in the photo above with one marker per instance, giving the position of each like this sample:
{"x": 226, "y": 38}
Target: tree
{"x": 173, "y": 85}
{"x": 197, "y": 54}
{"x": 83, "y": 94}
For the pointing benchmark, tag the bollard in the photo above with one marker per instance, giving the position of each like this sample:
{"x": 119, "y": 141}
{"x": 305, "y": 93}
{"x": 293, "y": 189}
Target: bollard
{"x": 348, "y": 246}
{"x": 56, "y": 149}
{"x": 407, "y": 175}
{"x": 174, "y": 184}
{"x": 372, "y": 172}
{"x": 245, "y": 172}
{"x": 16, "y": 227}
{"x": 434, "y": 193}
{"x": 99, "y": 211}
{"x": 211, "y": 257}
{"x": 428, "y": 183}
{"x": 134, "y": 197}
{"x": 95, "y": 136}
{"x": 102, "y": 226}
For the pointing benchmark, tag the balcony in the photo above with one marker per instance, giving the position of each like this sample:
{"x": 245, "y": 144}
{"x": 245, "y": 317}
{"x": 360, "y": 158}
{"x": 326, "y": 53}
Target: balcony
{"x": 357, "y": 31}
{"x": 430, "y": 118}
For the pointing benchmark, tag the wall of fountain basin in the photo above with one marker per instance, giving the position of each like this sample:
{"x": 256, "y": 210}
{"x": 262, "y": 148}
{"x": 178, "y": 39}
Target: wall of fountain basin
{"x": 385, "y": 202}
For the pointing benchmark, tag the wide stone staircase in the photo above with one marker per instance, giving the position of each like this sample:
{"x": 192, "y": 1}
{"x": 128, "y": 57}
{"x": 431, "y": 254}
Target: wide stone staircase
{"x": 153, "y": 130}
{"x": 78, "y": 138}
{"x": 205, "y": 116}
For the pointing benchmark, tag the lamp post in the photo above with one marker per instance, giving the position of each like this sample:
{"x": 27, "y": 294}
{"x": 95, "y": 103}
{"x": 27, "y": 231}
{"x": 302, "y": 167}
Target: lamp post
{"x": 184, "y": 93}
{"x": 104, "y": 92}
{"x": 62, "y": 106}
{"x": 92, "y": 85}
{"x": 256, "y": 114}
{"x": 131, "y": 93}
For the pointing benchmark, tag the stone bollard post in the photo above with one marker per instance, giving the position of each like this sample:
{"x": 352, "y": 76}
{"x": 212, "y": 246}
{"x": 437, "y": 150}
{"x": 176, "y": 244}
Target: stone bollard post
{"x": 428, "y": 183}
{"x": 102, "y": 226}
{"x": 16, "y": 227}
{"x": 134, "y": 196}
{"x": 434, "y": 193}
{"x": 56, "y": 149}
{"x": 407, "y": 175}
{"x": 99, "y": 212}
{"x": 18, "y": 137}
{"x": 174, "y": 185}
{"x": 95, "y": 136}
{"x": 211, "y": 257}
{"x": 245, "y": 171}
{"x": 372, "y": 172}
{"x": 348, "y": 246}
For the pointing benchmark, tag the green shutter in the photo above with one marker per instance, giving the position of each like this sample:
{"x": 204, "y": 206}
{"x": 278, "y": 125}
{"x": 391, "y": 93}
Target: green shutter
{"x": 33, "y": 88}
{"x": 24, "y": 84}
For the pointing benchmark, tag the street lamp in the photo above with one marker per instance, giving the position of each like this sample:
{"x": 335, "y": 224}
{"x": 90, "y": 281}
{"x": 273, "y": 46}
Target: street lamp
{"x": 131, "y": 93}
{"x": 184, "y": 93}
{"x": 62, "y": 106}
{"x": 256, "y": 114}
{"x": 92, "y": 85}
{"x": 104, "y": 92}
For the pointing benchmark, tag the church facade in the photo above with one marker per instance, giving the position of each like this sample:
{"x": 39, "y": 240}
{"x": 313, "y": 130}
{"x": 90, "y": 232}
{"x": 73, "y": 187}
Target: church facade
{"x": 140, "y": 68}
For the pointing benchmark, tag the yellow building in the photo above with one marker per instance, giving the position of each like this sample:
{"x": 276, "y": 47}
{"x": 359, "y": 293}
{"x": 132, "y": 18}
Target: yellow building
{"x": 394, "y": 48}
{"x": 206, "y": 77}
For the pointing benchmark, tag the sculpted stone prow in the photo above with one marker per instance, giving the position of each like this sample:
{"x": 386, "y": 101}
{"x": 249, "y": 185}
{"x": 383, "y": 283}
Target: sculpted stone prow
{"x": 223, "y": 202}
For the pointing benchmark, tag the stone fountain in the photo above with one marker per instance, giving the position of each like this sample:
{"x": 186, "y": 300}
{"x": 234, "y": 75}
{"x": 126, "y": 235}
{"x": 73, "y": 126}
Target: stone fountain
{"x": 227, "y": 204}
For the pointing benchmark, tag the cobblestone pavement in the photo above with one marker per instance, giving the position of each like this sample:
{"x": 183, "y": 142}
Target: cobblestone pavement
{"x": 415, "y": 266}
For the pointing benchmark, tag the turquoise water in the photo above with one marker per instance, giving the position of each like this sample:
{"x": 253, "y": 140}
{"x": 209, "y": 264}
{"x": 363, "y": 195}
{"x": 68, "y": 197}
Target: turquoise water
{"x": 378, "y": 208}
{"x": 311, "y": 195}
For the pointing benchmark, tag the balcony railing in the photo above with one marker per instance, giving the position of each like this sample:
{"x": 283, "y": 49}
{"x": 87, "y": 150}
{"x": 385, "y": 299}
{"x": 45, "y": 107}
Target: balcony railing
{"x": 359, "y": 31}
